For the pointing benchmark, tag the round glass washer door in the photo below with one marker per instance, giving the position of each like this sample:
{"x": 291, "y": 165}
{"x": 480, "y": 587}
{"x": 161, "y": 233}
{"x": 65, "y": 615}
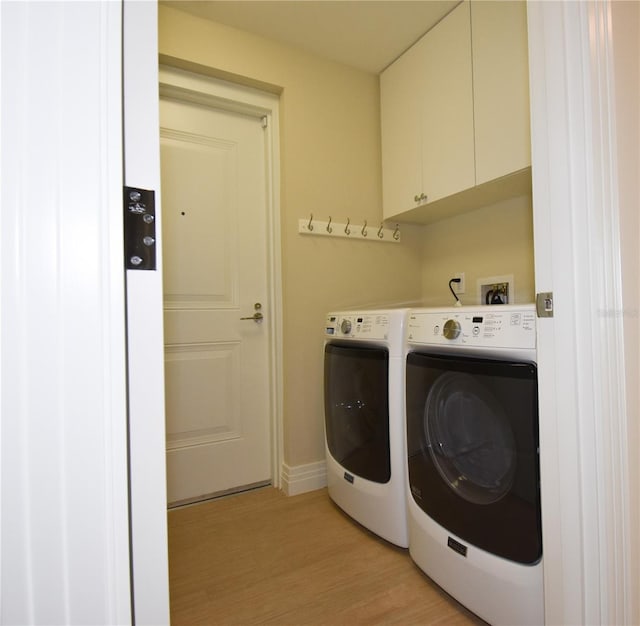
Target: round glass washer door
{"x": 469, "y": 438}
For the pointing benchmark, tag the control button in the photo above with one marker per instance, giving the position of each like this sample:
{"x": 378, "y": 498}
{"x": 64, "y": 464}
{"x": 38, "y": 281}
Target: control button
{"x": 451, "y": 329}
{"x": 135, "y": 260}
{"x": 345, "y": 327}
{"x": 436, "y": 330}
{"x": 148, "y": 240}
{"x": 147, "y": 218}
{"x": 476, "y": 331}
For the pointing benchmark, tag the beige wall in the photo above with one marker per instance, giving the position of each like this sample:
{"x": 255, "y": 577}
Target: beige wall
{"x": 493, "y": 241}
{"x": 330, "y": 165}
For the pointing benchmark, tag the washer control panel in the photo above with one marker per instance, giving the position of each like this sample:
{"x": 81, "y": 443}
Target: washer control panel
{"x": 504, "y": 327}
{"x": 357, "y": 325}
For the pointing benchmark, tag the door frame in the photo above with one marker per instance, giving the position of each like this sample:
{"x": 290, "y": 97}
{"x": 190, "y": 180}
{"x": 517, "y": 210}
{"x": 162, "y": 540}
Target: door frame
{"x": 64, "y": 536}
{"x": 190, "y": 84}
{"x": 589, "y": 542}
{"x": 145, "y": 363}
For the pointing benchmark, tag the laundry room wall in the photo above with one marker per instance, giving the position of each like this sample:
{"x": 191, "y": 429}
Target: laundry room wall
{"x": 496, "y": 240}
{"x": 330, "y": 165}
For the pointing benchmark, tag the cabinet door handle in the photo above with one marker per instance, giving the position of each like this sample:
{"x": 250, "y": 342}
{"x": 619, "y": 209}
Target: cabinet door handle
{"x": 420, "y": 198}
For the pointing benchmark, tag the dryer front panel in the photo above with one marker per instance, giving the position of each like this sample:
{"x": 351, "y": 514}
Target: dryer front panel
{"x": 356, "y": 400}
{"x": 472, "y": 438}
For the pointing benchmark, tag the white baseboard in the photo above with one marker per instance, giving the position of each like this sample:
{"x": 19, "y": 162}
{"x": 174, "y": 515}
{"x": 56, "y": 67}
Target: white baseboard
{"x": 303, "y": 478}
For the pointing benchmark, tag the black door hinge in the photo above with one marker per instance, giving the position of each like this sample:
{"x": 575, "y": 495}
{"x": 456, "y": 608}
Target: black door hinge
{"x": 139, "y": 229}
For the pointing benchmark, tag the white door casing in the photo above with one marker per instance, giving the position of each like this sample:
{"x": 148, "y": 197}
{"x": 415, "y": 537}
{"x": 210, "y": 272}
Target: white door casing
{"x": 64, "y": 497}
{"x": 217, "y": 377}
{"x": 149, "y": 548}
{"x": 188, "y": 320}
{"x": 583, "y": 424}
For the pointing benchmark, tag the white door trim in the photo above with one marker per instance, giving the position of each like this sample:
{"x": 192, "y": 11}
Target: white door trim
{"x": 221, "y": 94}
{"x": 145, "y": 354}
{"x": 64, "y": 501}
{"x": 583, "y": 423}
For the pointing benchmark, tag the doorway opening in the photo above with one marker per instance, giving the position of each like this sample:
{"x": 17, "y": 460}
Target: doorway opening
{"x": 221, "y": 286}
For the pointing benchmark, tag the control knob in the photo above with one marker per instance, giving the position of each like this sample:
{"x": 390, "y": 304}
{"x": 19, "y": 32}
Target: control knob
{"x": 345, "y": 327}
{"x": 451, "y": 329}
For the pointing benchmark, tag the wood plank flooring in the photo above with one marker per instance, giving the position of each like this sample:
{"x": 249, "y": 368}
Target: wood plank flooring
{"x": 265, "y": 558}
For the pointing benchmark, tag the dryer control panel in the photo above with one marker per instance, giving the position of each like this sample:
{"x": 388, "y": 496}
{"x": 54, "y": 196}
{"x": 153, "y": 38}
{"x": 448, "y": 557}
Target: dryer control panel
{"x": 357, "y": 325}
{"x": 486, "y": 327}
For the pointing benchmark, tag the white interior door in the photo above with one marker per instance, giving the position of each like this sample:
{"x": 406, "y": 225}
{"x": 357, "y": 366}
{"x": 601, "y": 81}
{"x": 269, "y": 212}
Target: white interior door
{"x": 216, "y": 300}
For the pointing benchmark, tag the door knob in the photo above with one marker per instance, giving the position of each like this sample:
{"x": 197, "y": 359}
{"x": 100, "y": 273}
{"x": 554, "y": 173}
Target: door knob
{"x": 257, "y": 316}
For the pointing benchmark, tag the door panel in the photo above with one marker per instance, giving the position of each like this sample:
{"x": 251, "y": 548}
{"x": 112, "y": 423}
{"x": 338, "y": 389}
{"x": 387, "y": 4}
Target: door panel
{"x": 215, "y": 260}
{"x": 207, "y": 374}
{"x": 200, "y": 232}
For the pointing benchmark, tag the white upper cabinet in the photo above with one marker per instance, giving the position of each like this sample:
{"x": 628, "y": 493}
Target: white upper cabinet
{"x": 427, "y": 117}
{"x": 455, "y": 115}
{"x": 501, "y": 88}
{"x": 402, "y": 92}
{"x": 447, "y": 119}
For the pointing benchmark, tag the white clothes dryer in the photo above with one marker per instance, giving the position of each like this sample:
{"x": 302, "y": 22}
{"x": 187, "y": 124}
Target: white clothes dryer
{"x": 473, "y": 458}
{"x": 364, "y": 418}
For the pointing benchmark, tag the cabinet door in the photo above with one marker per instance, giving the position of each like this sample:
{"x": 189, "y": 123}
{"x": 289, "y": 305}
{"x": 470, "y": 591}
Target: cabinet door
{"x": 501, "y": 88}
{"x": 447, "y": 116}
{"x": 401, "y": 94}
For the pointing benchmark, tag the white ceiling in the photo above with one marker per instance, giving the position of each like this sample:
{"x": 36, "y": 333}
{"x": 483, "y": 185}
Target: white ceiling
{"x": 365, "y": 34}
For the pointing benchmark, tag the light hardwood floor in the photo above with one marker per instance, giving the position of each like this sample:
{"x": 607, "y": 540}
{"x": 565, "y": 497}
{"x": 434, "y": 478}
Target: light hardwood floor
{"x": 264, "y": 558}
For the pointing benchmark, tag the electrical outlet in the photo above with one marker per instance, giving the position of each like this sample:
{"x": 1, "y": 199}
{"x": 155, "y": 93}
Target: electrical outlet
{"x": 459, "y": 287}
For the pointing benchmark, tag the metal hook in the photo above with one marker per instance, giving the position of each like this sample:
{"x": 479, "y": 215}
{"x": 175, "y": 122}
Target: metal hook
{"x": 396, "y": 232}
{"x": 364, "y": 229}
{"x": 347, "y": 230}
{"x": 310, "y": 225}
{"x": 380, "y": 233}
{"x": 329, "y": 229}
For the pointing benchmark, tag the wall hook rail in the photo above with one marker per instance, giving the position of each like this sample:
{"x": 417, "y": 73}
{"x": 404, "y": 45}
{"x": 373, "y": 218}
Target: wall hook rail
{"x": 319, "y": 228}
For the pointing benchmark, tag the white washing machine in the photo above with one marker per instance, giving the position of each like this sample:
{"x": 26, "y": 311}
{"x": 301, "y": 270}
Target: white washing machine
{"x": 364, "y": 418}
{"x": 473, "y": 458}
